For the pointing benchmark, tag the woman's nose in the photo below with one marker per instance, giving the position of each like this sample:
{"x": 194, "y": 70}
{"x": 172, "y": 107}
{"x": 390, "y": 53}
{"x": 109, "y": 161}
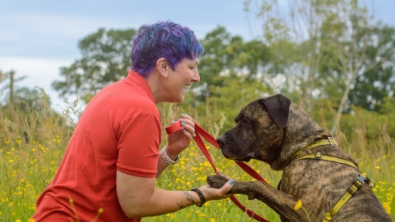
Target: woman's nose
{"x": 196, "y": 77}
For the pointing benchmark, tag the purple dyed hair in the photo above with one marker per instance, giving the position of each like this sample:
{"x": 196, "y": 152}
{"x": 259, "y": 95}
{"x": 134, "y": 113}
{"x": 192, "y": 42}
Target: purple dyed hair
{"x": 163, "y": 39}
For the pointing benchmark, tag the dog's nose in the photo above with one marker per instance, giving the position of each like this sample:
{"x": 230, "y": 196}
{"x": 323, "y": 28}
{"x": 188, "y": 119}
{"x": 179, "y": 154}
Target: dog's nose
{"x": 221, "y": 140}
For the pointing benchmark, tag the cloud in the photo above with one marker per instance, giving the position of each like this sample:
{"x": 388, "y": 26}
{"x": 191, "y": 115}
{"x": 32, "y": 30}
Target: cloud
{"x": 49, "y": 34}
{"x": 39, "y": 72}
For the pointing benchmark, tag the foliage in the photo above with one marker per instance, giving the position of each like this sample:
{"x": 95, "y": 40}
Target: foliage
{"x": 32, "y": 143}
{"x": 340, "y": 51}
{"x": 378, "y": 80}
{"x": 105, "y": 59}
{"x": 373, "y": 127}
{"x": 322, "y": 50}
{"x": 24, "y": 97}
{"x": 27, "y": 167}
{"x": 236, "y": 94}
{"x": 228, "y": 56}
{"x": 29, "y": 123}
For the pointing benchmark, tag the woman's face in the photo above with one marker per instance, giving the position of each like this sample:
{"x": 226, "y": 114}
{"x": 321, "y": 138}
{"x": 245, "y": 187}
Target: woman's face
{"x": 184, "y": 74}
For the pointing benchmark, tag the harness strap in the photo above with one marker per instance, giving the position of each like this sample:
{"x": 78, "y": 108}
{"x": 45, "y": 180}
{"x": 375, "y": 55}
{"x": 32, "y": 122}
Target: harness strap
{"x": 201, "y": 132}
{"x": 357, "y": 184}
{"x": 355, "y": 187}
{"x": 319, "y": 156}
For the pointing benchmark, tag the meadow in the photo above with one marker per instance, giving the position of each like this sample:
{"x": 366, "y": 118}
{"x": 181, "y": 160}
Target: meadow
{"x": 32, "y": 144}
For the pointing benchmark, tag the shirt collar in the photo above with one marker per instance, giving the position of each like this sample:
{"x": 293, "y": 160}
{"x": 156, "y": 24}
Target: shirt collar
{"x": 140, "y": 81}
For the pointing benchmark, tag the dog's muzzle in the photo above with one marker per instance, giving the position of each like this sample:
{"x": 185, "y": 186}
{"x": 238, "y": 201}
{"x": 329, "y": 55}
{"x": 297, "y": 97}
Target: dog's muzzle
{"x": 224, "y": 143}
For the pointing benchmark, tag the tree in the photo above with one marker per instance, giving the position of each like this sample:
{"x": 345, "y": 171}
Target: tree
{"x": 334, "y": 45}
{"x": 236, "y": 93}
{"x": 106, "y": 56}
{"x": 294, "y": 39}
{"x": 376, "y": 82}
{"x": 105, "y": 59}
{"x": 228, "y": 56}
{"x": 10, "y": 87}
{"x": 213, "y": 62}
{"x": 24, "y": 109}
{"x": 361, "y": 60}
{"x": 349, "y": 43}
{"x": 23, "y": 98}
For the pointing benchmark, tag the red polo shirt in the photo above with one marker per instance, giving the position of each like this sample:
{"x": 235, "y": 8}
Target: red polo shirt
{"x": 120, "y": 129}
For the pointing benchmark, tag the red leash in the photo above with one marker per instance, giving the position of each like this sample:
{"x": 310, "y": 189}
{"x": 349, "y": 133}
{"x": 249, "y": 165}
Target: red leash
{"x": 201, "y": 132}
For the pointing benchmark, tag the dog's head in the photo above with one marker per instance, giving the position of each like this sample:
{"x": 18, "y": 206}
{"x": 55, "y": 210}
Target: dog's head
{"x": 271, "y": 129}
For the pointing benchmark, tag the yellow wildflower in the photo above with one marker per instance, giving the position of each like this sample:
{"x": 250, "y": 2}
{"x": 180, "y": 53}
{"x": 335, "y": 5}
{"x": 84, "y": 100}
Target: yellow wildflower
{"x": 387, "y": 207}
{"x": 328, "y": 216}
{"x": 298, "y": 205}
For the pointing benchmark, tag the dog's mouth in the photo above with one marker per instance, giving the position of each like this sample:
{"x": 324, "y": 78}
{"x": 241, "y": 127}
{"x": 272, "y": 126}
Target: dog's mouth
{"x": 245, "y": 158}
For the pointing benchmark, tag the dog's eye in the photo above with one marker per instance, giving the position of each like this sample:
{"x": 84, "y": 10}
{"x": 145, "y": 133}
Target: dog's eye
{"x": 244, "y": 121}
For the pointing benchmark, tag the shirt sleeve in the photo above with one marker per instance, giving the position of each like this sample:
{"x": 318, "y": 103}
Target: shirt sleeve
{"x": 138, "y": 145}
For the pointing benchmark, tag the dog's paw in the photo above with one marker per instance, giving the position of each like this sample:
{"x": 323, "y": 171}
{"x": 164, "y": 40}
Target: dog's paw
{"x": 216, "y": 181}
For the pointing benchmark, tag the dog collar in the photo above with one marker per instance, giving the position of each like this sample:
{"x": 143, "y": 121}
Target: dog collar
{"x": 320, "y": 156}
{"x": 330, "y": 140}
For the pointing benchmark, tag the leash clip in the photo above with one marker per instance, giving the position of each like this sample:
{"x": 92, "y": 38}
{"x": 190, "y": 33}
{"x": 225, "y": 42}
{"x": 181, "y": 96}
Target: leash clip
{"x": 332, "y": 141}
{"x": 246, "y": 212}
{"x": 370, "y": 182}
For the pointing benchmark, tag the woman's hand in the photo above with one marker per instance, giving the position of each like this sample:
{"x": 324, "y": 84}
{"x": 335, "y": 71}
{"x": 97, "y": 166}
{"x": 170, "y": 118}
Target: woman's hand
{"x": 211, "y": 193}
{"x": 180, "y": 140}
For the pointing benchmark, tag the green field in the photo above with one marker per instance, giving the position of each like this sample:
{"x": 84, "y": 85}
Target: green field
{"x": 32, "y": 145}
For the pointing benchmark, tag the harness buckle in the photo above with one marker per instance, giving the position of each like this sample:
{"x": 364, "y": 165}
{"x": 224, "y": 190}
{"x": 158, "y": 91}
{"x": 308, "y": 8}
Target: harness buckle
{"x": 358, "y": 183}
{"x": 318, "y": 156}
{"x": 332, "y": 141}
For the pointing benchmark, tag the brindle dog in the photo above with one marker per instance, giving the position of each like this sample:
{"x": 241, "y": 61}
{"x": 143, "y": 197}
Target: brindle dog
{"x": 276, "y": 131}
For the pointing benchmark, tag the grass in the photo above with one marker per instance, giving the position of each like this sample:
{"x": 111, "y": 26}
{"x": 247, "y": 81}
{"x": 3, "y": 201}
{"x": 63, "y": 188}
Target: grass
{"x": 32, "y": 145}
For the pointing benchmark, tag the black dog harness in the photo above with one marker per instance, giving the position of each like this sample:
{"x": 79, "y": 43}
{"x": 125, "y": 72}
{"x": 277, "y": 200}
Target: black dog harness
{"x": 357, "y": 184}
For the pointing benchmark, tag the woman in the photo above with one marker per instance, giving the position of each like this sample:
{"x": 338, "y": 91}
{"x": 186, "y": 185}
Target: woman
{"x": 113, "y": 159}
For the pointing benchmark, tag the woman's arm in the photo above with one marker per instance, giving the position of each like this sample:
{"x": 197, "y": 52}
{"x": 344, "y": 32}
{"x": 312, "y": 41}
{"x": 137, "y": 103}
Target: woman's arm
{"x": 138, "y": 196}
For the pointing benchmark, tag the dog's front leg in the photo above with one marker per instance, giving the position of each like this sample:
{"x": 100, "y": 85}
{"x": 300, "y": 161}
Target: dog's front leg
{"x": 279, "y": 201}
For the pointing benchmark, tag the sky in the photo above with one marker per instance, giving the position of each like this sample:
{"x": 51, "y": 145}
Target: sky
{"x": 40, "y": 36}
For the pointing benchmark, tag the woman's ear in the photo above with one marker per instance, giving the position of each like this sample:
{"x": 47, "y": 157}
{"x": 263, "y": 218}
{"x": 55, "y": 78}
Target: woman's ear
{"x": 162, "y": 66}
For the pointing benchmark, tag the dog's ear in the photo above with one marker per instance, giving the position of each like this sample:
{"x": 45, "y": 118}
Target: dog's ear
{"x": 278, "y": 108}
